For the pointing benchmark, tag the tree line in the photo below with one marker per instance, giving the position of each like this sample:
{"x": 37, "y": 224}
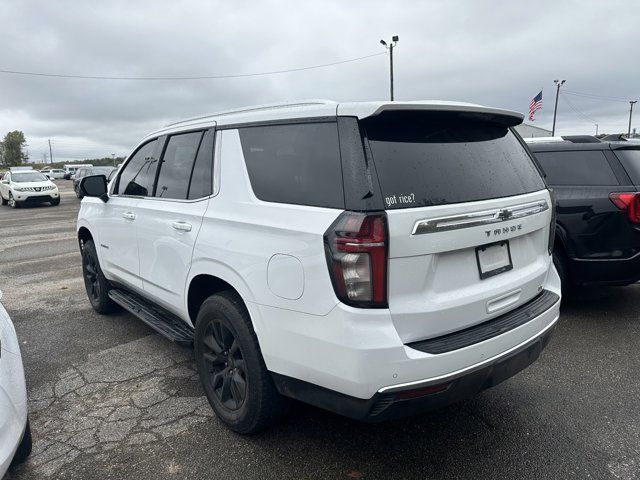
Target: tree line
{"x": 13, "y": 153}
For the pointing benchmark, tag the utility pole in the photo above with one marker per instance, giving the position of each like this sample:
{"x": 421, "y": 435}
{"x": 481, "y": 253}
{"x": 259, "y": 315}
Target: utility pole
{"x": 631, "y": 102}
{"x": 558, "y": 83}
{"x": 389, "y": 47}
{"x": 50, "y": 153}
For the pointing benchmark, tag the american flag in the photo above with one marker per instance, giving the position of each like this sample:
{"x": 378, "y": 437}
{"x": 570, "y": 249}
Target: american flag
{"x": 536, "y": 104}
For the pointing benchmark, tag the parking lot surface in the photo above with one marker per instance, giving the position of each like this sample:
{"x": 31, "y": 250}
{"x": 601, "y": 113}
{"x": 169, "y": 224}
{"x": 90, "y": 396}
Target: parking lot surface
{"x": 109, "y": 398}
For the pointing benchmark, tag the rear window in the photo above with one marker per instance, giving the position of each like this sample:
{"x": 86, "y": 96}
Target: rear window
{"x": 297, "y": 164}
{"x": 584, "y": 168}
{"x": 631, "y": 161}
{"x": 441, "y": 158}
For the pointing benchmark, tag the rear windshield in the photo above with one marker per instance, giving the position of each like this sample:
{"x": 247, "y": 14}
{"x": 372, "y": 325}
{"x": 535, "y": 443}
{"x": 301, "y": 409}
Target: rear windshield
{"x": 631, "y": 161}
{"x": 440, "y": 158}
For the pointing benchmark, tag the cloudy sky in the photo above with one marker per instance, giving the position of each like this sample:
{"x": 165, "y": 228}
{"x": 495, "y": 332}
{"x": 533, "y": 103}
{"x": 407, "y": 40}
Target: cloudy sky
{"x": 498, "y": 53}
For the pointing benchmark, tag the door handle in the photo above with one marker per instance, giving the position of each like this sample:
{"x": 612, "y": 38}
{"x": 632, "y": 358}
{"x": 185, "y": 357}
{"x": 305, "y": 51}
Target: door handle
{"x": 129, "y": 215}
{"x": 182, "y": 226}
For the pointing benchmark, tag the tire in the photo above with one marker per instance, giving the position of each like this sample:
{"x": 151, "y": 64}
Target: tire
{"x": 232, "y": 371}
{"x": 77, "y": 190}
{"x": 96, "y": 285}
{"x": 55, "y": 202}
{"x": 24, "y": 449}
{"x": 12, "y": 201}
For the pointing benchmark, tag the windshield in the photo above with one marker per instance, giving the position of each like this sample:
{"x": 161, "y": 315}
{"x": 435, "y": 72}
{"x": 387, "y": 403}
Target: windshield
{"x": 631, "y": 161}
{"x": 100, "y": 171}
{"x": 441, "y": 158}
{"x": 28, "y": 177}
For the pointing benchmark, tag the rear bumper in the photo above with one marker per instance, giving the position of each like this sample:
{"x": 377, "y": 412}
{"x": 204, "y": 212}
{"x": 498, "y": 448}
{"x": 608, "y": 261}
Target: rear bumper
{"x": 605, "y": 272}
{"x": 429, "y": 394}
{"x": 353, "y": 359}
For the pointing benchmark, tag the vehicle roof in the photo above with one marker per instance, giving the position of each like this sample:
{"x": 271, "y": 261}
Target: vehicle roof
{"x": 328, "y": 108}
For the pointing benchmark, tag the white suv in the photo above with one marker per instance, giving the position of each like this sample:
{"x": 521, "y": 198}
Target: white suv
{"x": 373, "y": 259}
{"x": 25, "y": 186}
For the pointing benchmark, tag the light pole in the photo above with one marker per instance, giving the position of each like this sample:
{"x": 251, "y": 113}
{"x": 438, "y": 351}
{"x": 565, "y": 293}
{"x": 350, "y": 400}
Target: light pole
{"x": 113, "y": 158}
{"x": 631, "y": 102}
{"x": 389, "y": 47}
{"x": 596, "y": 129}
{"x": 558, "y": 83}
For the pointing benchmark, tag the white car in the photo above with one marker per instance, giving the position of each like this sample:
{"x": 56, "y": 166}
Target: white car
{"x": 53, "y": 173}
{"x": 27, "y": 187}
{"x": 373, "y": 259}
{"x": 15, "y": 434}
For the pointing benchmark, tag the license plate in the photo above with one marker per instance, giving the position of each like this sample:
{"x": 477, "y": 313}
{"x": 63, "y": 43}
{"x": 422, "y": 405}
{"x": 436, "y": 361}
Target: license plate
{"x": 493, "y": 259}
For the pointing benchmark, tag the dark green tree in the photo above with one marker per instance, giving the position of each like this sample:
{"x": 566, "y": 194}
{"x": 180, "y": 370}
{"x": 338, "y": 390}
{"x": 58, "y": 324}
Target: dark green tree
{"x": 14, "y": 144}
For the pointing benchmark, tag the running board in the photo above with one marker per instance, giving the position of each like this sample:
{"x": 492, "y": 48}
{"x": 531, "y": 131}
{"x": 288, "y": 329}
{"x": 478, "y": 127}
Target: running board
{"x": 162, "y": 321}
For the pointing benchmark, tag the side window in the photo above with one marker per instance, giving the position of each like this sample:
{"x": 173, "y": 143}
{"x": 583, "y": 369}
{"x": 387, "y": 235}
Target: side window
{"x": 202, "y": 177}
{"x": 176, "y": 165}
{"x": 138, "y": 175}
{"x": 577, "y": 168}
{"x": 297, "y": 164}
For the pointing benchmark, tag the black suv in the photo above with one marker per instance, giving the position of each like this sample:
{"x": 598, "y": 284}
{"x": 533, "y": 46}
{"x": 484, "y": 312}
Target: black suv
{"x": 596, "y": 186}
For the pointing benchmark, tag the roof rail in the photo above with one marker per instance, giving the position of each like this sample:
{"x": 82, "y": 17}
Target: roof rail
{"x": 581, "y": 139}
{"x": 269, "y": 106}
{"x": 565, "y": 139}
{"x": 544, "y": 139}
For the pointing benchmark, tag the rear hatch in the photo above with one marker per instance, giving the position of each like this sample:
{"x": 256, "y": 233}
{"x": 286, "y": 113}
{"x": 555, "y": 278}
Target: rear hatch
{"x": 468, "y": 218}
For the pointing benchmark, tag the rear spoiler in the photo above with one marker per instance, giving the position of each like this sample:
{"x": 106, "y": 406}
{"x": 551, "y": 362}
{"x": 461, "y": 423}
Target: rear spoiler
{"x": 371, "y": 109}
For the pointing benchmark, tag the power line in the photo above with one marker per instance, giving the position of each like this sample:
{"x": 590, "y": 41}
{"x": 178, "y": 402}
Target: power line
{"x": 585, "y": 117}
{"x": 594, "y": 96}
{"x": 200, "y": 77}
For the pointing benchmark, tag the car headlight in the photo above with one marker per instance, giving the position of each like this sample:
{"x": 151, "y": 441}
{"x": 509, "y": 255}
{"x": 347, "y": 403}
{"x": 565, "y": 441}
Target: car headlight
{"x": 19, "y": 189}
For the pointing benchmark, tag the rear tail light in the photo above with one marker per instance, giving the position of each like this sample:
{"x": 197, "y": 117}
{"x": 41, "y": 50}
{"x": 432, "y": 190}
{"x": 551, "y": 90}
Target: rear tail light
{"x": 356, "y": 248}
{"x": 629, "y": 202}
{"x": 552, "y": 227}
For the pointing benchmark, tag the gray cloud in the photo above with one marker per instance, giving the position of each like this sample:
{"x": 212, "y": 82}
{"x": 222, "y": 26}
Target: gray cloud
{"x": 491, "y": 52}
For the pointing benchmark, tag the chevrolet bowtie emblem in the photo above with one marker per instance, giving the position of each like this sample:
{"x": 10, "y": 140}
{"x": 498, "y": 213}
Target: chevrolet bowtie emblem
{"x": 505, "y": 214}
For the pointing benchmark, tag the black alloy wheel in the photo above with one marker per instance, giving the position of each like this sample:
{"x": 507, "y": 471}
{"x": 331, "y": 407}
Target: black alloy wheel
{"x": 227, "y": 370}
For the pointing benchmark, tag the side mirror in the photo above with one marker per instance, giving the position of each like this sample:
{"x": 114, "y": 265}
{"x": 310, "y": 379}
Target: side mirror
{"x": 94, "y": 186}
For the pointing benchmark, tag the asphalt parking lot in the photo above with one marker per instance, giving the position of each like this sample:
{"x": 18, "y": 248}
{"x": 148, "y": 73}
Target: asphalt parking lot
{"x": 109, "y": 398}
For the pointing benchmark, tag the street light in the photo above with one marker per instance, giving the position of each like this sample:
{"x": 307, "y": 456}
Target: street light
{"x": 558, "y": 83}
{"x": 389, "y": 47}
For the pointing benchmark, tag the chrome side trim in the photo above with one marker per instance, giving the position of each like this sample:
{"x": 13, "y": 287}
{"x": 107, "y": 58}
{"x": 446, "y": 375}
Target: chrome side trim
{"x": 449, "y": 377}
{"x": 484, "y": 217}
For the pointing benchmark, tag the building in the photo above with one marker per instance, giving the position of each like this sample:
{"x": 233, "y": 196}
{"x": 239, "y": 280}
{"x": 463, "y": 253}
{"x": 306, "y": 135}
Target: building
{"x": 529, "y": 131}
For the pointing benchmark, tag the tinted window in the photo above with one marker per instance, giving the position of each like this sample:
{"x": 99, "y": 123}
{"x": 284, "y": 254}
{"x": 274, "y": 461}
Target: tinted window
{"x": 139, "y": 173}
{"x": 298, "y": 164}
{"x": 577, "y": 168}
{"x": 427, "y": 159}
{"x": 176, "y": 165}
{"x": 201, "y": 178}
{"x": 631, "y": 161}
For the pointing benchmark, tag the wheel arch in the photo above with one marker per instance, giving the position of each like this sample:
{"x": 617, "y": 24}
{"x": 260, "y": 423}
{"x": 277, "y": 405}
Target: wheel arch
{"x": 209, "y": 278}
